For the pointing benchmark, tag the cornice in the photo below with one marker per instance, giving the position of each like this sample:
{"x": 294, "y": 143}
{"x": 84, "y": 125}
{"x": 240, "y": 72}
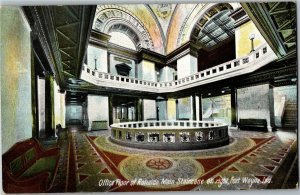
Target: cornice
{"x": 151, "y": 56}
{"x": 122, "y": 51}
{"x": 39, "y": 29}
{"x": 100, "y": 39}
{"x": 240, "y": 17}
{"x": 64, "y": 44}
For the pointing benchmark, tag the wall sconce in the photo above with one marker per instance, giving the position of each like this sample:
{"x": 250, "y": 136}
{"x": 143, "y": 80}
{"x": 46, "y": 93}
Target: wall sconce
{"x": 95, "y": 62}
{"x": 252, "y": 37}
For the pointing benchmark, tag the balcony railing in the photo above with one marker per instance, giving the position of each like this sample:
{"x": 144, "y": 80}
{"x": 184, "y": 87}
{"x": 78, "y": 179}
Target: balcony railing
{"x": 260, "y": 57}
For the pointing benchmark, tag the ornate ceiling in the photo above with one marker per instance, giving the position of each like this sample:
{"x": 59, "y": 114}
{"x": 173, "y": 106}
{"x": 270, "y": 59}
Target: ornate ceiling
{"x": 63, "y": 31}
{"x": 164, "y": 27}
{"x": 111, "y": 18}
{"x": 214, "y": 27}
{"x": 217, "y": 30}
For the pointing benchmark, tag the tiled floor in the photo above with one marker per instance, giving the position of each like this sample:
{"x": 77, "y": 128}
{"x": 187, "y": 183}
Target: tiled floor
{"x": 250, "y": 161}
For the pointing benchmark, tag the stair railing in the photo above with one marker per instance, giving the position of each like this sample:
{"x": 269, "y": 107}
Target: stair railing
{"x": 282, "y": 107}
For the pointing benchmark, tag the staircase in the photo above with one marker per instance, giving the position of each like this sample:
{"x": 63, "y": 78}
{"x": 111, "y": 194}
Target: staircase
{"x": 290, "y": 116}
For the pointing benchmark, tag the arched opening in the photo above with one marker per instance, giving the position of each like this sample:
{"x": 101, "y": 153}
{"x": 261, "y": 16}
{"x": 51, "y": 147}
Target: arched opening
{"x": 122, "y": 40}
{"x": 214, "y": 32}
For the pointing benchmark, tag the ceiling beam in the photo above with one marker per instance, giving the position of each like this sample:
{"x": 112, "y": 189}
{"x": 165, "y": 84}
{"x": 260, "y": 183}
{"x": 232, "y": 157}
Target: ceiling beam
{"x": 63, "y": 31}
{"x": 260, "y": 16}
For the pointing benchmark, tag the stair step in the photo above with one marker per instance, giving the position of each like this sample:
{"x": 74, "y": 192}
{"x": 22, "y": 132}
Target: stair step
{"x": 292, "y": 103}
{"x": 290, "y": 117}
{"x": 290, "y": 110}
{"x": 290, "y": 124}
{"x": 290, "y": 120}
{"x": 291, "y": 107}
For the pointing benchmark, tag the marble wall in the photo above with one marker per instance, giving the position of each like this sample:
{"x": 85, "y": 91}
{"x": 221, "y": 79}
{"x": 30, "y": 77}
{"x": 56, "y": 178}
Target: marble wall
{"x": 149, "y": 109}
{"x": 185, "y": 108}
{"x": 97, "y": 107}
{"x": 242, "y": 41}
{"x": 15, "y": 60}
{"x": 74, "y": 112}
{"x": 290, "y": 95}
{"x": 114, "y": 60}
{"x": 256, "y": 102}
{"x": 166, "y": 74}
{"x": 98, "y": 53}
{"x": 41, "y": 103}
{"x": 59, "y": 106}
{"x": 162, "y": 106}
{"x": 146, "y": 71}
{"x": 187, "y": 65}
{"x": 171, "y": 109}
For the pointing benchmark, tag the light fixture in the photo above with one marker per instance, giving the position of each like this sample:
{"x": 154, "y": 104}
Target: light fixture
{"x": 252, "y": 37}
{"x": 95, "y": 63}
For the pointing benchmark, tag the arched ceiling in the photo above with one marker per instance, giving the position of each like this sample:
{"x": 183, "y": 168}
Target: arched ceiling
{"x": 163, "y": 13}
{"x": 113, "y": 17}
{"x": 163, "y": 28}
{"x": 214, "y": 27}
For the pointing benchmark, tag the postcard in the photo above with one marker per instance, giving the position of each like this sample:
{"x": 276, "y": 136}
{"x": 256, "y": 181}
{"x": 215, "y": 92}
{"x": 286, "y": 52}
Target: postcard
{"x": 140, "y": 97}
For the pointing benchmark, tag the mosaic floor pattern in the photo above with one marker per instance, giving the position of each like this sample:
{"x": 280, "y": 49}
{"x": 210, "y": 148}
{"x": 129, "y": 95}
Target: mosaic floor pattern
{"x": 248, "y": 162}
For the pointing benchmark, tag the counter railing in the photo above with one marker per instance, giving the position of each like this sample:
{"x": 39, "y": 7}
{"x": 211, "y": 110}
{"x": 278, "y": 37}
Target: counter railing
{"x": 170, "y": 135}
{"x": 167, "y": 124}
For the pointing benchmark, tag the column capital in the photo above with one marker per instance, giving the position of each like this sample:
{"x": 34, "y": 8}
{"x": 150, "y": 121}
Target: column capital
{"x": 99, "y": 38}
{"x": 187, "y": 48}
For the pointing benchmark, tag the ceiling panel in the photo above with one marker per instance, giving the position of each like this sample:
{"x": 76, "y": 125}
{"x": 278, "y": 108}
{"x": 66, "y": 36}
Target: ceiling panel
{"x": 217, "y": 29}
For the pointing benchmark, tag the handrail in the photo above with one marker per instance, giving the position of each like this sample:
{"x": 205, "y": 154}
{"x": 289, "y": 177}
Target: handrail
{"x": 166, "y": 124}
{"x": 281, "y": 108}
{"x": 260, "y": 57}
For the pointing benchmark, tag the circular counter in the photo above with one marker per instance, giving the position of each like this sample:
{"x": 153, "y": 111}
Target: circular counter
{"x": 170, "y": 135}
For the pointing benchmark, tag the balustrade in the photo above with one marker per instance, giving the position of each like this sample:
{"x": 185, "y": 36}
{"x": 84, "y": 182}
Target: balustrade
{"x": 254, "y": 60}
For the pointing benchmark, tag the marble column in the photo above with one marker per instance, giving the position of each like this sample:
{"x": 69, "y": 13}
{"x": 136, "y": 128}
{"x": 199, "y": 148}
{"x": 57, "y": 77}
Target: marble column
{"x": 186, "y": 66}
{"x": 110, "y": 110}
{"x": 233, "y": 97}
{"x": 49, "y": 106}
{"x": 200, "y": 108}
{"x": 146, "y": 71}
{"x": 194, "y": 108}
